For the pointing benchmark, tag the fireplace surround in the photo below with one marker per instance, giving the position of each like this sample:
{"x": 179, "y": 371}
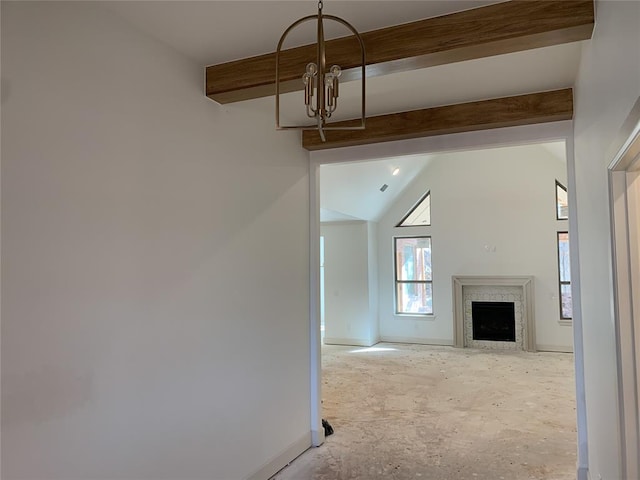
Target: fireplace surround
{"x": 516, "y": 289}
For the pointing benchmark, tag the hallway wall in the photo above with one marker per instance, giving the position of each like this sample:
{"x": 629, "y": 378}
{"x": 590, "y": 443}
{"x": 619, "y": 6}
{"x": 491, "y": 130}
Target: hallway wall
{"x": 350, "y": 283}
{"x": 155, "y": 261}
{"x": 607, "y": 87}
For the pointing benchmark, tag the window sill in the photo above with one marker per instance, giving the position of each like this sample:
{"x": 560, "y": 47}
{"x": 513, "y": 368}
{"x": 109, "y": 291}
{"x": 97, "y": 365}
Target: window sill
{"x": 416, "y": 316}
{"x": 565, "y": 321}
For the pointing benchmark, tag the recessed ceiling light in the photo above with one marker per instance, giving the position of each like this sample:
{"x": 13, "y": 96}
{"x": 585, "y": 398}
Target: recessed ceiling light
{"x": 396, "y": 172}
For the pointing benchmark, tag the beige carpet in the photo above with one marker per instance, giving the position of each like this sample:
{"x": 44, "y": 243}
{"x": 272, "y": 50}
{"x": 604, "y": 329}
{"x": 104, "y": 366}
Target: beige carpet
{"x": 412, "y": 411}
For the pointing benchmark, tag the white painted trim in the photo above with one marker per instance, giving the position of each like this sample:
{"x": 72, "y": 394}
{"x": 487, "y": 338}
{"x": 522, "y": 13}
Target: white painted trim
{"x": 417, "y": 340}
{"x": 429, "y": 318}
{"x": 565, "y": 322}
{"x": 625, "y": 279}
{"x": 315, "y": 336}
{"x": 523, "y": 281}
{"x": 554, "y": 348}
{"x": 317, "y": 438}
{"x": 620, "y": 152}
{"x": 355, "y": 342}
{"x": 583, "y": 474}
{"x": 343, "y": 222}
{"x": 578, "y": 346}
{"x": 287, "y": 456}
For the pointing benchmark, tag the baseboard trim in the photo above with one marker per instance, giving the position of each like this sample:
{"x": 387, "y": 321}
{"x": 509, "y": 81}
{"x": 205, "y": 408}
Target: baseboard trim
{"x": 290, "y": 453}
{"x": 352, "y": 342}
{"x": 417, "y": 340}
{"x": 554, "y": 348}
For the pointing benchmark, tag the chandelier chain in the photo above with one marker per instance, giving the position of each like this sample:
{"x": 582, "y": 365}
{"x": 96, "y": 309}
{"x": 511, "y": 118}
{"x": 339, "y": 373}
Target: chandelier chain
{"x": 320, "y": 5}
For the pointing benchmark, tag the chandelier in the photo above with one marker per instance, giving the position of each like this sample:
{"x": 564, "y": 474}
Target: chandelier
{"x": 321, "y": 84}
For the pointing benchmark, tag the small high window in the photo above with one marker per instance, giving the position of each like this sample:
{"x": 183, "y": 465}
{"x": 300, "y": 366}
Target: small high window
{"x": 420, "y": 213}
{"x": 564, "y": 276}
{"x": 414, "y": 289}
{"x": 562, "y": 202}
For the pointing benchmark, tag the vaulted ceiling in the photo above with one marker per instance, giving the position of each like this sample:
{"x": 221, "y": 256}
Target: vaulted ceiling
{"x": 479, "y": 50}
{"x": 351, "y": 191}
{"x": 217, "y": 31}
{"x": 484, "y": 50}
{"x": 486, "y": 31}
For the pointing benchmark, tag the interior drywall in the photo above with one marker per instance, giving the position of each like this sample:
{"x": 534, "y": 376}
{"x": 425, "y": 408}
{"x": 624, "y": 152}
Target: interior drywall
{"x": 607, "y": 87}
{"x": 492, "y": 213}
{"x": 155, "y": 262}
{"x": 349, "y": 270}
{"x": 372, "y": 252}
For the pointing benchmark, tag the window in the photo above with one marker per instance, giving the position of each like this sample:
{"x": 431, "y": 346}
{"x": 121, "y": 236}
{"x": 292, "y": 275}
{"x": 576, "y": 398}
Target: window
{"x": 562, "y": 202}
{"x": 564, "y": 276}
{"x": 420, "y": 213}
{"x": 414, "y": 290}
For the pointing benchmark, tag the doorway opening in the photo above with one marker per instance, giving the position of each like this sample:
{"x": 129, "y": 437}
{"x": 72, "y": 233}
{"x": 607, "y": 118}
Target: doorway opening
{"x": 420, "y": 330}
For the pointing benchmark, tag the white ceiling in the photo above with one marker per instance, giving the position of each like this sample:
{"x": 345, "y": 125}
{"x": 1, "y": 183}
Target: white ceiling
{"x": 537, "y": 70}
{"x": 351, "y": 191}
{"x": 211, "y": 32}
{"x": 214, "y": 31}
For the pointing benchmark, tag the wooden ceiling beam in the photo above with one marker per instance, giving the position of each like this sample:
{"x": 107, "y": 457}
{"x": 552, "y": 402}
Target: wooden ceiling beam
{"x": 500, "y": 28}
{"x": 514, "y": 111}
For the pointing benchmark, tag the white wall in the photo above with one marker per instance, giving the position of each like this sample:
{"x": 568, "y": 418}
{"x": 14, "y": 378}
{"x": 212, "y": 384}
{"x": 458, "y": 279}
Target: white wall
{"x": 502, "y": 198}
{"x": 607, "y": 87}
{"x": 349, "y": 276}
{"x": 372, "y": 251}
{"x": 155, "y": 258}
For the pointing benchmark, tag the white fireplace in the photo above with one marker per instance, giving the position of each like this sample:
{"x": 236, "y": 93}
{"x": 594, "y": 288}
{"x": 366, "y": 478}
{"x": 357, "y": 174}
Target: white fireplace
{"x": 517, "y": 290}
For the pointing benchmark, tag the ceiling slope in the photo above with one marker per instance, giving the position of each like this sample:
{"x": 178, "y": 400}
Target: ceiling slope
{"x": 501, "y": 28}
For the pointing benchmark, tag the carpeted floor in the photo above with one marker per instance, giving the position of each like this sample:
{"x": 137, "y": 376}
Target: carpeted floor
{"x": 439, "y": 413}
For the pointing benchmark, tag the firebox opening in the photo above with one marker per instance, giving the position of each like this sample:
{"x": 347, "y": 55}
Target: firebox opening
{"x": 494, "y": 321}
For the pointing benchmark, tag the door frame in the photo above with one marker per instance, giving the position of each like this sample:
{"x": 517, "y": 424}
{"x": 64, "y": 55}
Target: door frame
{"x": 624, "y": 207}
{"x": 499, "y": 137}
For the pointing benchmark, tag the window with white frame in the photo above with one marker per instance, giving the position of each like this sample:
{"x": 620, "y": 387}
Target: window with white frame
{"x": 562, "y": 202}
{"x": 420, "y": 213}
{"x": 413, "y": 278}
{"x": 564, "y": 276}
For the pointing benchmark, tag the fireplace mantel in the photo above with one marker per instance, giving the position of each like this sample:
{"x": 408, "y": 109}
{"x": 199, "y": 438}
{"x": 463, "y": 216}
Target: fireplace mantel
{"x": 524, "y": 282}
